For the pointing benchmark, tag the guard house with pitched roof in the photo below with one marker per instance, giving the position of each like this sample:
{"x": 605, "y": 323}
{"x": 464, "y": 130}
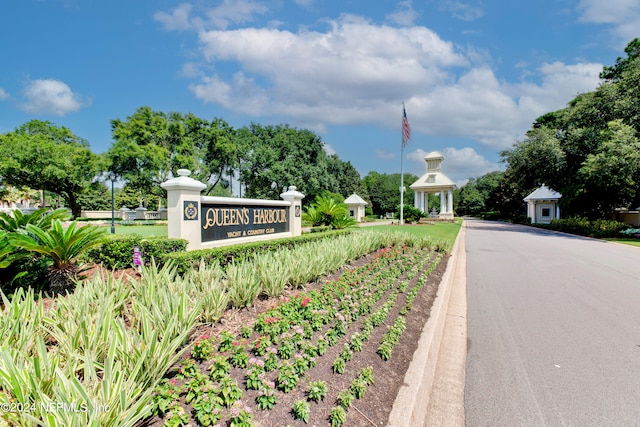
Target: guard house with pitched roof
{"x": 434, "y": 181}
{"x": 542, "y": 205}
{"x": 356, "y": 206}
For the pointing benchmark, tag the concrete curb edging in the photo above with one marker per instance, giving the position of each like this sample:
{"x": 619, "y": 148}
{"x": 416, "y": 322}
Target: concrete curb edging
{"x": 412, "y": 401}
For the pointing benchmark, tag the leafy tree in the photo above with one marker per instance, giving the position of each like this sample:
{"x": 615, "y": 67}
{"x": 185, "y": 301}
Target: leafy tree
{"x": 587, "y": 151}
{"x": 613, "y": 171}
{"x": 150, "y": 145}
{"x": 97, "y": 197}
{"x": 347, "y": 177}
{"x": 615, "y": 72}
{"x": 40, "y": 155}
{"x": 384, "y": 190}
{"x": 275, "y": 157}
{"x": 478, "y": 195}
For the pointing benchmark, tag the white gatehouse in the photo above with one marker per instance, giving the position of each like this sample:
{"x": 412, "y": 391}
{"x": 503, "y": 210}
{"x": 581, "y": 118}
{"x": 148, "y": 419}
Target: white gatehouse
{"x": 434, "y": 182}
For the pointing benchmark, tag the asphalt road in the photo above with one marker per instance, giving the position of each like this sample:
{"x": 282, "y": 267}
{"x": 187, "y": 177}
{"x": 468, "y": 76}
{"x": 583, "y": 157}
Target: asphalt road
{"x": 553, "y": 329}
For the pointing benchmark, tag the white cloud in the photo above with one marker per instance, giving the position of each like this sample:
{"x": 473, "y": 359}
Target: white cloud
{"x": 405, "y": 15}
{"x": 329, "y": 149}
{"x": 350, "y": 73}
{"x": 3, "y": 94}
{"x": 357, "y": 72}
{"x": 459, "y": 164}
{"x": 462, "y": 10}
{"x": 384, "y": 155}
{"x": 226, "y": 13}
{"x": 178, "y": 19}
{"x": 51, "y": 97}
{"x": 234, "y": 12}
{"x": 622, "y": 15}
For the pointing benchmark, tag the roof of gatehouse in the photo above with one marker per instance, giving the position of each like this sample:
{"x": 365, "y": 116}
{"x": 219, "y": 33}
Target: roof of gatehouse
{"x": 434, "y": 179}
{"x": 354, "y": 199}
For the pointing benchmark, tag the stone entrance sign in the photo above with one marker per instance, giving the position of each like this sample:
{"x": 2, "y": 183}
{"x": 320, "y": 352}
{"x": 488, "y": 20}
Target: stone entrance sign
{"x": 207, "y": 221}
{"x": 226, "y": 221}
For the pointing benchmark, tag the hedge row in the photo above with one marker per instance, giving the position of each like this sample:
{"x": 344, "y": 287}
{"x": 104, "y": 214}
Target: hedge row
{"x": 117, "y": 252}
{"x": 599, "y": 228}
{"x": 186, "y": 261}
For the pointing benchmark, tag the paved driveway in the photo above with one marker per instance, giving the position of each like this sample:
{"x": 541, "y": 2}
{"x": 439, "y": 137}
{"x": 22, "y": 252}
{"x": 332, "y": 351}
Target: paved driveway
{"x": 553, "y": 327}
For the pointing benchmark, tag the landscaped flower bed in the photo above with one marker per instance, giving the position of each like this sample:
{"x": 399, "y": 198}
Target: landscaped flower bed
{"x": 95, "y": 357}
{"x": 305, "y": 358}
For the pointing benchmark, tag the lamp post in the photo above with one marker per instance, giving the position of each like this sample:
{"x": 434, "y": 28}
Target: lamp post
{"x": 112, "y": 177}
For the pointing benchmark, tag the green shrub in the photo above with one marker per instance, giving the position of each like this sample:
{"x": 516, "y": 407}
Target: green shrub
{"x": 117, "y": 252}
{"x": 599, "y": 228}
{"x": 410, "y": 213}
{"x": 320, "y": 229}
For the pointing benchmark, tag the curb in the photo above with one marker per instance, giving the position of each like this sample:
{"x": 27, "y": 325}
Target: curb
{"x": 425, "y": 374}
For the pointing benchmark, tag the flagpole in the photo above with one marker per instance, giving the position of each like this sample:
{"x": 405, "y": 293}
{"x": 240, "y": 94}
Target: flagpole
{"x": 402, "y": 142}
{"x": 401, "y": 185}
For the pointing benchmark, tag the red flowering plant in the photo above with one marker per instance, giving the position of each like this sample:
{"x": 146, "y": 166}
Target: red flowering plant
{"x": 203, "y": 348}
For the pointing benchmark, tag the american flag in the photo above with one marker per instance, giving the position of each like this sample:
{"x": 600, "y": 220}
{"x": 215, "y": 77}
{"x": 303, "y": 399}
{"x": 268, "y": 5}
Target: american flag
{"x": 406, "y": 129}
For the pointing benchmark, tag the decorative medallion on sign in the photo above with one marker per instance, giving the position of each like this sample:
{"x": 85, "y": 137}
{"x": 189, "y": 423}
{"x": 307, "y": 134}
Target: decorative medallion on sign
{"x": 297, "y": 211}
{"x": 190, "y": 211}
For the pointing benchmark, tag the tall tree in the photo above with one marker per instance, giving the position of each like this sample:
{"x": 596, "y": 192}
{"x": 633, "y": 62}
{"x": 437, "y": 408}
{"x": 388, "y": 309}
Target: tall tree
{"x": 275, "y": 157}
{"x": 42, "y": 156}
{"x": 587, "y": 151}
{"x": 347, "y": 177}
{"x": 616, "y": 71}
{"x": 384, "y": 191}
{"x": 150, "y": 145}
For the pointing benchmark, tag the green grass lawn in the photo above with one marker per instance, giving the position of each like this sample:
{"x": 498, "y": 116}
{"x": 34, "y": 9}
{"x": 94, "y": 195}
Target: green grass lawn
{"x": 439, "y": 230}
{"x": 142, "y": 230}
{"x": 626, "y": 241}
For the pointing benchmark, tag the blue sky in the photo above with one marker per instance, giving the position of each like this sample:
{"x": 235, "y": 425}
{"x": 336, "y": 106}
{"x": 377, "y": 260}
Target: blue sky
{"x": 473, "y": 74}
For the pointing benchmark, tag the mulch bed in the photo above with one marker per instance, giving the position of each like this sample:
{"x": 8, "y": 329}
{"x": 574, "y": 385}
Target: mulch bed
{"x": 374, "y": 408}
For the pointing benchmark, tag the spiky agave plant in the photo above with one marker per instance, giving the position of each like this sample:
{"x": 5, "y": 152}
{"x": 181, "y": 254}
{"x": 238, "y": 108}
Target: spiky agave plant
{"x": 62, "y": 246}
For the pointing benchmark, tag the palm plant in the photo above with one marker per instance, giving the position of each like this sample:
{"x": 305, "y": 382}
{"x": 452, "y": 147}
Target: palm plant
{"x": 328, "y": 211}
{"x": 62, "y": 246}
{"x": 41, "y": 218}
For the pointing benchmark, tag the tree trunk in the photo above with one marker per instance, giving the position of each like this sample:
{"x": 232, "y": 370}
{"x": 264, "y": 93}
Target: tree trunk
{"x": 76, "y": 210}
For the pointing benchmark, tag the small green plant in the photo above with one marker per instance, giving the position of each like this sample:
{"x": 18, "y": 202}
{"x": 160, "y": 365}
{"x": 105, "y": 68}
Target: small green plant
{"x": 241, "y": 416}
{"x": 229, "y": 391}
{"x": 246, "y": 332}
{"x": 317, "y": 390}
{"x": 203, "y": 349}
{"x": 287, "y": 378}
{"x": 366, "y": 374}
{"x": 220, "y": 368}
{"x": 358, "y": 388}
{"x": 239, "y": 358}
{"x": 226, "y": 341}
{"x": 338, "y": 416}
{"x": 339, "y": 365}
{"x": 188, "y": 368}
{"x": 301, "y": 410}
{"x": 346, "y": 353}
{"x": 166, "y": 393}
{"x": 208, "y": 410}
{"x": 356, "y": 342}
{"x": 345, "y": 398}
{"x": 266, "y": 399}
{"x": 176, "y": 416}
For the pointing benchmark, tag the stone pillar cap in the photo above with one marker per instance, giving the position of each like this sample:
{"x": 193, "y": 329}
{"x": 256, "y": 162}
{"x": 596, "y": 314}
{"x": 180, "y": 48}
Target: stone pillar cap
{"x": 292, "y": 193}
{"x": 183, "y": 182}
